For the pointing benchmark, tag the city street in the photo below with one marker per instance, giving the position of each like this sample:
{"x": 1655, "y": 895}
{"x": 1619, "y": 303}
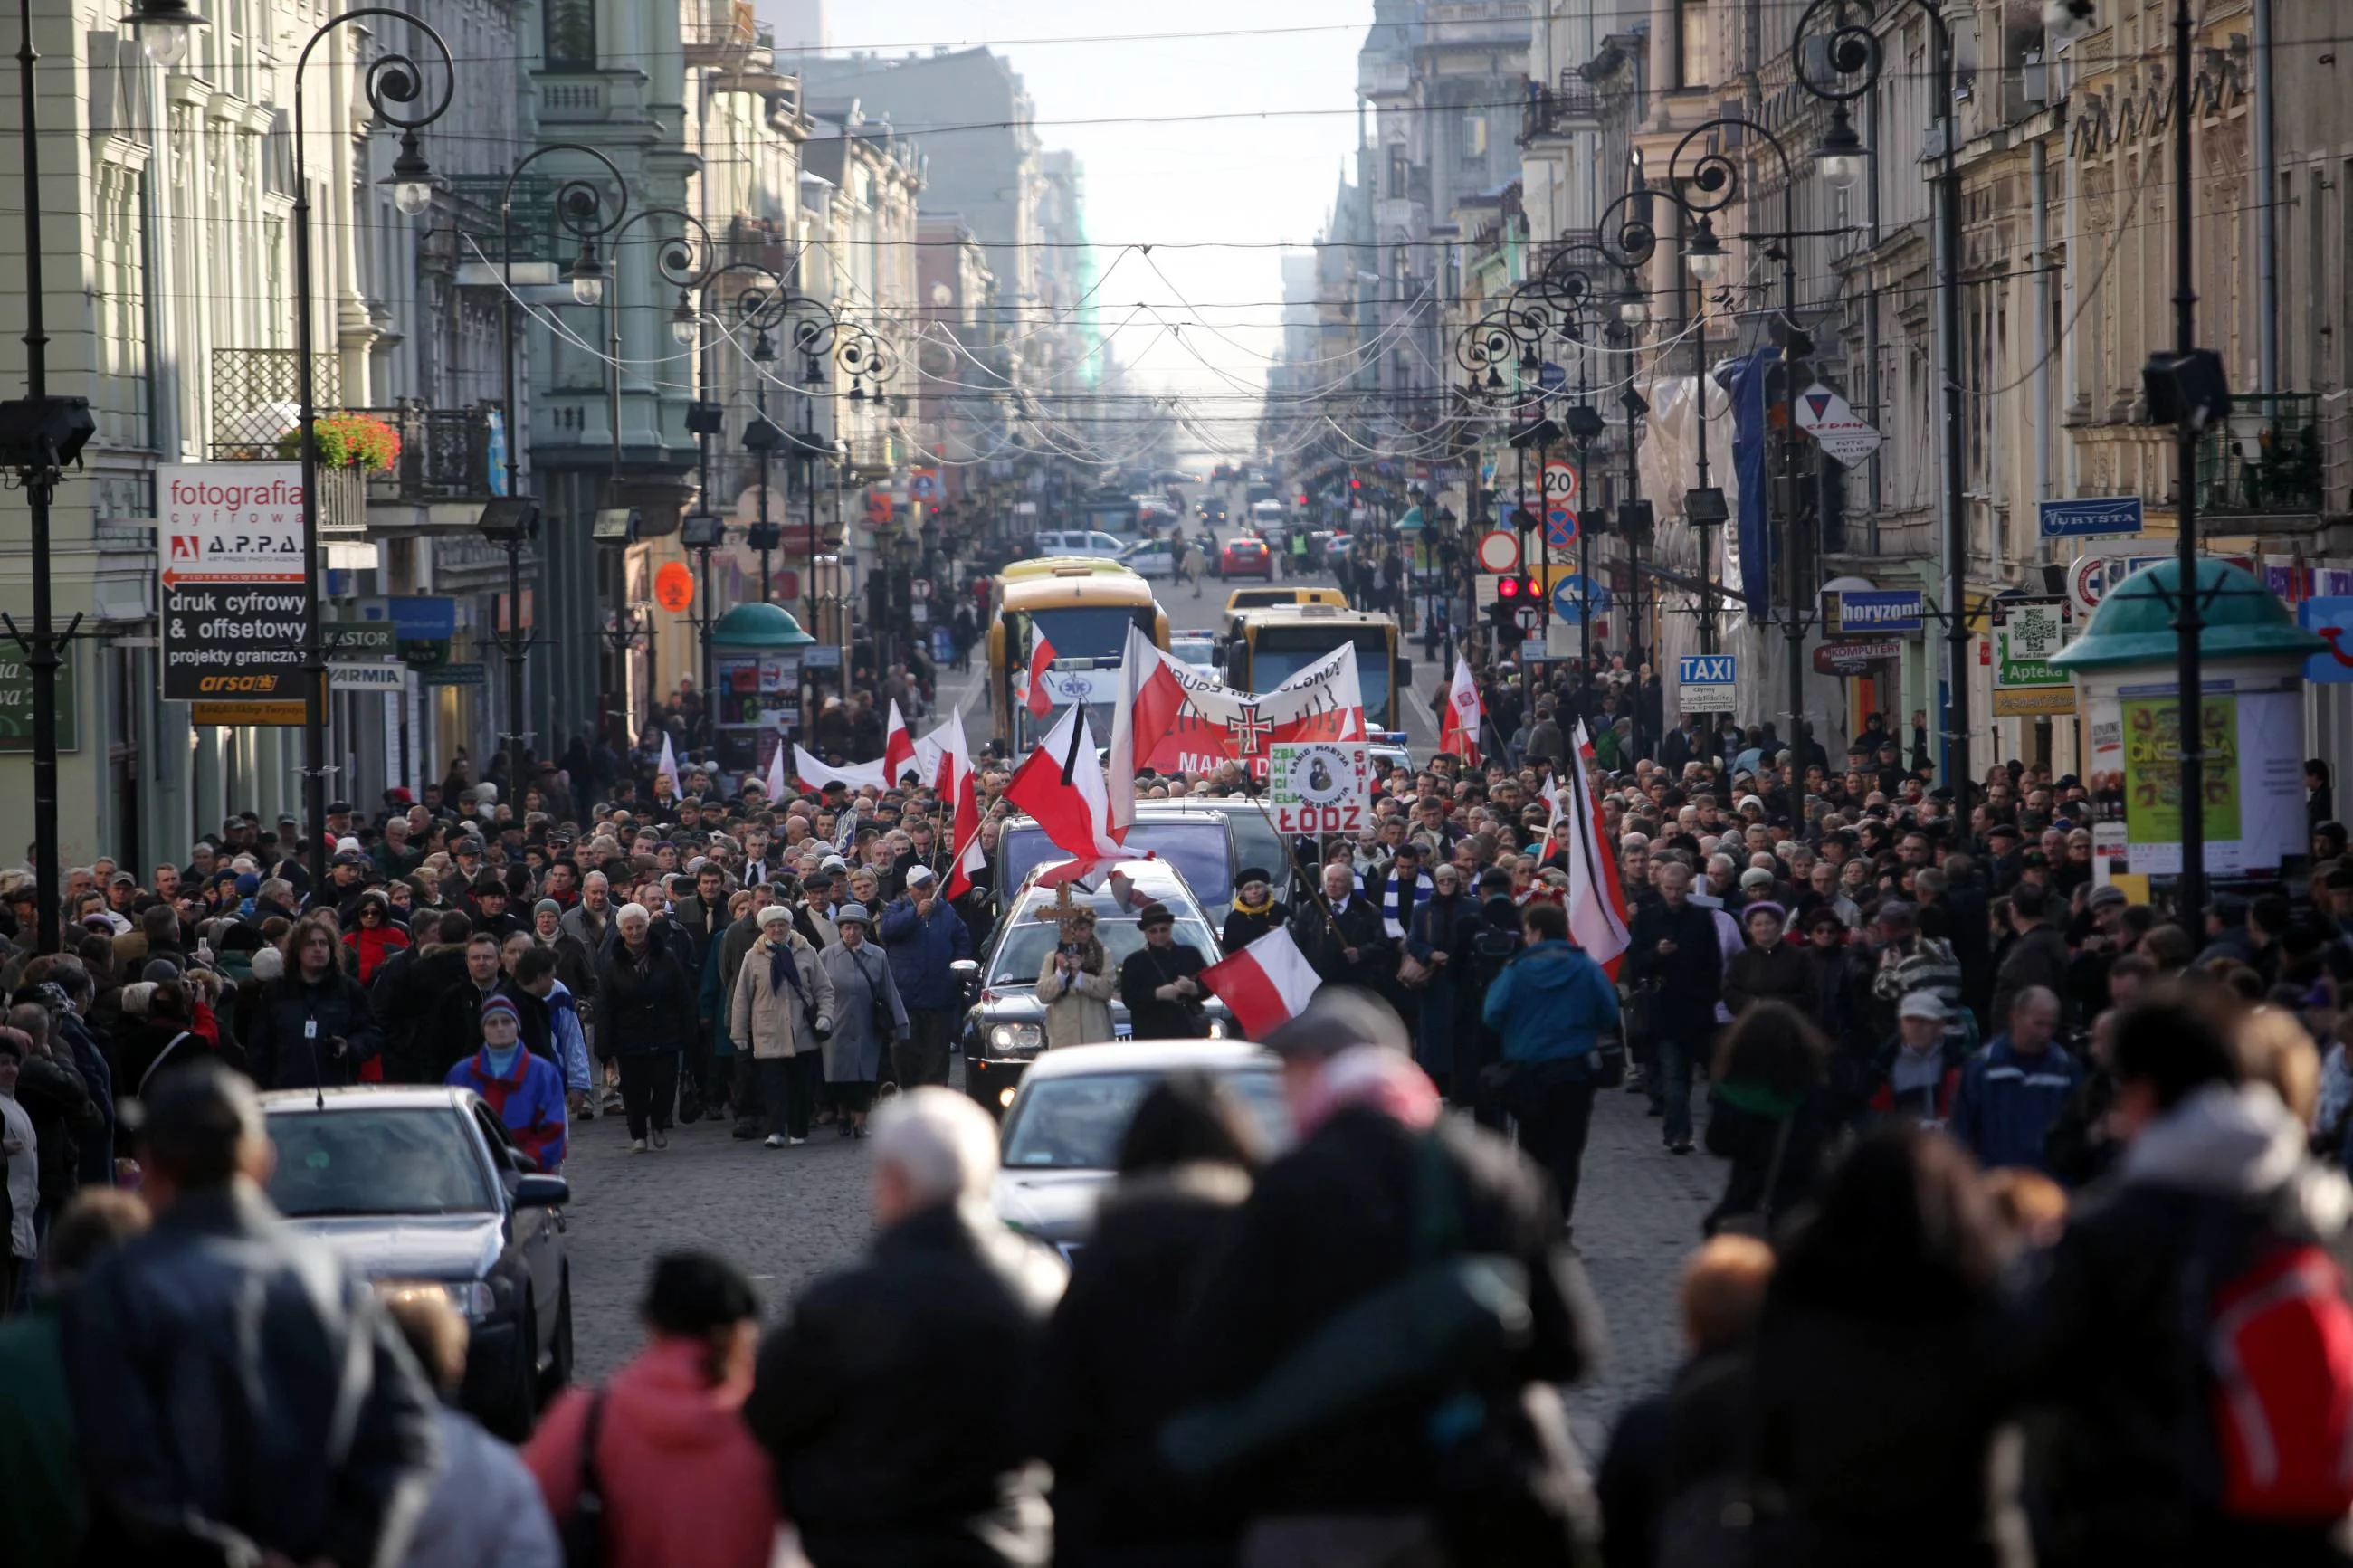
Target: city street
{"x": 790, "y": 1215}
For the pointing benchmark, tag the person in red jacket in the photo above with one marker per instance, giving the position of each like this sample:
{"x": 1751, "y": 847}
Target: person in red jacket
{"x": 1916, "y": 1073}
{"x": 527, "y": 1091}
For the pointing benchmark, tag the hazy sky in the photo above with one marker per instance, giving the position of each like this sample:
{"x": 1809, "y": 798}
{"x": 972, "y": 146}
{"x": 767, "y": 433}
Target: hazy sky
{"x": 1154, "y": 179}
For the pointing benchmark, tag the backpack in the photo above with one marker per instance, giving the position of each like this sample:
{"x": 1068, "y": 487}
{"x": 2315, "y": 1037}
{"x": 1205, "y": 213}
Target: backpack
{"x": 2277, "y": 1344}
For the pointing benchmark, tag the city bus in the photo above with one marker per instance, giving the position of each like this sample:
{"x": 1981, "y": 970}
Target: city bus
{"x": 1111, "y": 512}
{"x": 1084, "y": 609}
{"x": 1269, "y": 645}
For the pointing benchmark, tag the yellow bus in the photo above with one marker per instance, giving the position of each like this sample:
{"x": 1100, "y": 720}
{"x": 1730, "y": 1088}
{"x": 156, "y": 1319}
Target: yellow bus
{"x": 1083, "y": 608}
{"x": 1269, "y": 645}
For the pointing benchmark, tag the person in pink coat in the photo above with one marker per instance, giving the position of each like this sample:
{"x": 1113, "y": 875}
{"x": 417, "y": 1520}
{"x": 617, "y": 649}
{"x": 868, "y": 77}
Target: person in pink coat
{"x": 684, "y": 1484}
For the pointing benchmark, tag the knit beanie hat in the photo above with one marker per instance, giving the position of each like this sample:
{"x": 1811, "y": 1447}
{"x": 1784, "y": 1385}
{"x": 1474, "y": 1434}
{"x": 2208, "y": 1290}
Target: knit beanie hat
{"x": 494, "y": 1005}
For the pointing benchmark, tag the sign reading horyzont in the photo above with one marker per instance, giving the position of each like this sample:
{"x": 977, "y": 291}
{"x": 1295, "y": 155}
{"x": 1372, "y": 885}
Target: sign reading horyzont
{"x": 235, "y": 593}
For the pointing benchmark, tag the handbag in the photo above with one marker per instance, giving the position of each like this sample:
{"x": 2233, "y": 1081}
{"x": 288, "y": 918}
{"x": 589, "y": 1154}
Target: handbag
{"x": 1412, "y": 972}
{"x": 1758, "y": 1222}
{"x": 584, "y": 1528}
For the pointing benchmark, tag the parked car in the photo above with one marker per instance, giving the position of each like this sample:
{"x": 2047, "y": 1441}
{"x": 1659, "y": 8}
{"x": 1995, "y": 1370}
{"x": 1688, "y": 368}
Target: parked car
{"x": 1197, "y": 651}
{"x": 420, "y": 1189}
{"x": 1246, "y": 557}
{"x": 1004, "y": 1030}
{"x": 1201, "y": 850}
{"x": 1058, "y": 1149}
{"x": 1154, "y": 558}
{"x": 1256, "y": 842}
{"x": 1087, "y": 542}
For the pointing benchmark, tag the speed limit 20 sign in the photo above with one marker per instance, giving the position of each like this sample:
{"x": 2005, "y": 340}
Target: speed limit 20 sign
{"x": 1324, "y": 786}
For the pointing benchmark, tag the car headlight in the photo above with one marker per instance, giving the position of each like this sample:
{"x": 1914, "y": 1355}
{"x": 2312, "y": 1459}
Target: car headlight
{"x": 1216, "y": 1029}
{"x": 471, "y": 1298}
{"x": 1015, "y": 1036}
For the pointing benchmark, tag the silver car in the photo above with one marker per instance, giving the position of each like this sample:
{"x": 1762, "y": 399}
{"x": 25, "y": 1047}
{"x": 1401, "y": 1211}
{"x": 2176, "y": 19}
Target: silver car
{"x": 1059, "y": 1148}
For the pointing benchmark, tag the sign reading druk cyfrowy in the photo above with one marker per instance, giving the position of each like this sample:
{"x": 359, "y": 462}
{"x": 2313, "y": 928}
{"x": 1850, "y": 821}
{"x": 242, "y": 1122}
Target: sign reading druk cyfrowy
{"x": 235, "y": 589}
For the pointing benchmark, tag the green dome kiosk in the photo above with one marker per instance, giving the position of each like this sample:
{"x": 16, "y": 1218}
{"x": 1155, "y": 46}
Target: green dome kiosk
{"x": 755, "y": 673}
{"x": 2124, "y": 673}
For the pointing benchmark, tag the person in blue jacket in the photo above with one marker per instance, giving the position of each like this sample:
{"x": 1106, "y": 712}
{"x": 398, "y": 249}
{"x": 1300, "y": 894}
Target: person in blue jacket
{"x": 1551, "y": 1005}
{"x": 922, "y": 936}
{"x": 2015, "y": 1087}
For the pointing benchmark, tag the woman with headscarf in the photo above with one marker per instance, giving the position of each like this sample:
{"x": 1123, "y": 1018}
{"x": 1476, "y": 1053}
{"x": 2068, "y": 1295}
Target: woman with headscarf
{"x": 868, "y": 1013}
{"x": 1076, "y": 982}
{"x": 784, "y": 1009}
{"x": 1767, "y": 969}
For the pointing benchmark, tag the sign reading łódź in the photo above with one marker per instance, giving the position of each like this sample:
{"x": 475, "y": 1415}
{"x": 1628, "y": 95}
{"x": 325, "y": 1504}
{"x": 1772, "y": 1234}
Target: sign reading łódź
{"x": 2026, "y": 639}
{"x": 234, "y": 593}
{"x": 1323, "y": 702}
{"x": 1324, "y": 786}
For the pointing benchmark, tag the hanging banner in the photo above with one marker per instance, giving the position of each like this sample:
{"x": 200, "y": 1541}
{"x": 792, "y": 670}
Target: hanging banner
{"x": 1323, "y": 702}
{"x": 234, "y": 588}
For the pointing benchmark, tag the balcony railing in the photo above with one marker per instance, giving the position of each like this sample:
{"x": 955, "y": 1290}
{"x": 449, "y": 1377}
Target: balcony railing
{"x": 257, "y": 399}
{"x": 445, "y": 454}
{"x": 2266, "y": 460}
{"x": 1561, "y": 111}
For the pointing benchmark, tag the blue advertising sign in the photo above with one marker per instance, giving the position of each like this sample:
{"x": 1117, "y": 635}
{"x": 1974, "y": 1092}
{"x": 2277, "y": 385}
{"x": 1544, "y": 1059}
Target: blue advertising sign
{"x": 2332, "y": 621}
{"x": 1890, "y": 610}
{"x": 2089, "y": 516}
{"x": 1705, "y": 682}
{"x": 1552, "y": 377}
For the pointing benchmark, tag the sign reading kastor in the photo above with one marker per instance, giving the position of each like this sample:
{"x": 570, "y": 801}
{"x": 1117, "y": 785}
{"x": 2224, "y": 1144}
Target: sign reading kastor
{"x": 235, "y": 596}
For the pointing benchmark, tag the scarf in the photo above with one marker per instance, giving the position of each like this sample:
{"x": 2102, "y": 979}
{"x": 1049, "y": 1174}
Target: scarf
{"x": 1398, "y": 900}
{"x": 1373, "y": 1077}
{"x": 503, "y": 1063}
{"x": 1243, "y": 907}
{"x": 784, "y": 973}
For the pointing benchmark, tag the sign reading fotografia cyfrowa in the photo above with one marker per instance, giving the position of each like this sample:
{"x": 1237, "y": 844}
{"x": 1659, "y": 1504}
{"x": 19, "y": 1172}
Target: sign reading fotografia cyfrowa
{"x": 235, "y": 598}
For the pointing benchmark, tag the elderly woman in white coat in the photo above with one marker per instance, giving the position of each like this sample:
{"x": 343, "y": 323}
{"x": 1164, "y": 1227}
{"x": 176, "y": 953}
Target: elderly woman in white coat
{"x": 1076, "y": 984}
{"x": 870, "y": 1012}
{"x": 784, "y": 1009}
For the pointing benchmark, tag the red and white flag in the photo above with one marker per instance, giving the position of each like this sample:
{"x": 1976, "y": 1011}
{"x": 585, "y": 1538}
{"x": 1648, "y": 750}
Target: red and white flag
{"x": 667, "y": 768}
{"x": 898, "y": 747}
{"x": 776, "y": 780}
{"x": 1151, "y": 694}
{"x": 1061, "y": 786}
{"x": 1596, "y": 899}
{"x": 1266, "y": 984}
{"x": 1458, "y": 729}
{"x": 1041, "y": 659}
{"x": 959, "y": 792}
{"x": 855, "y": 775}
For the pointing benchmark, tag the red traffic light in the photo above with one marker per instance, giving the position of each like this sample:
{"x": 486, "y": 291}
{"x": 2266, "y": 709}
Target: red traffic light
{"x": 1508, "y": 588}
{"x": 1356, "y": 484}
{"x": 1303, "y": 500}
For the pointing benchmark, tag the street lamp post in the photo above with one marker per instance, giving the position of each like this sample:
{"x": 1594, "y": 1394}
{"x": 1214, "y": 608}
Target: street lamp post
{"x": 395, "y": 88}
{"x": 1851, "y": 56}
{"x": 580, "y": 208}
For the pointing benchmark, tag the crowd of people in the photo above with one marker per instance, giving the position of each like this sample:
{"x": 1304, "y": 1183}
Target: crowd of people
{"x": 2026, "y": 1247}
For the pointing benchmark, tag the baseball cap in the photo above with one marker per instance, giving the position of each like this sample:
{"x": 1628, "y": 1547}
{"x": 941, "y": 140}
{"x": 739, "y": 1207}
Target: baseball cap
{"x": 1923, "y": 1005}
{"x": 918, "y": 876}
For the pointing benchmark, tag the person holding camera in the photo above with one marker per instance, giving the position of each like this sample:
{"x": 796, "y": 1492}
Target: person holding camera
{"x": 784, "y": 1006}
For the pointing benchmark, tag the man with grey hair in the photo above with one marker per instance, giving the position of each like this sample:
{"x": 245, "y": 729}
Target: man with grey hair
{"x": 223, "y": 1318}
{"x": 1357, "y": 1483}
{"x": 888, "y": 1400}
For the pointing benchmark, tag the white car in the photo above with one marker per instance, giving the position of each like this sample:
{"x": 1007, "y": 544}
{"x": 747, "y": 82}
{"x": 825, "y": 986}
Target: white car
{"x": 1086, "y": 541}
{"x": 1197, "y": 651}
{"x": 1150, "y": 557}
{"x": 1059, "y": 1150}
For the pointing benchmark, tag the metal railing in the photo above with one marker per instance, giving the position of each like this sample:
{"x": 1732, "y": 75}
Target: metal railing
{"x": 445, "y": 454}
{"x": 257, "y": 399}
{"x": 1559, "y": 111}
{"x": 2266, "y": 460}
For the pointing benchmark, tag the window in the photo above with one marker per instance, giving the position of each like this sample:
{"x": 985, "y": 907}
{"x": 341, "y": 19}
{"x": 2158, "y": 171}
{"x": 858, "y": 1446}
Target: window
{"x": 1694, "y": 59}
{"x": 571, "y": 36}
{"x": 1397, "y": 172}
{"x": 1474, "y": 139}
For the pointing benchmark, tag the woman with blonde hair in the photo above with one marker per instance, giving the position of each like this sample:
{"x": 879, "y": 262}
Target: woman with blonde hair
{"x": 1075, "y": 983}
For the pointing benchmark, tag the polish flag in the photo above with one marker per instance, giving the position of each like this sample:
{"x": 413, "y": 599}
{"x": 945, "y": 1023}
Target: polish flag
{"x": 1150, "y": 698}
{"x": 1062, "y": 787}
{"x": 1041, "y": 659}
{"x": 1596, "y": 899}
{"x": 898, "y": 747}
{"x": 816, "y": 774}
{"x": 959, "y": 792}
{"x": 776, "y": 780}
{"x": 667, "y": 768}
{"x": 1266, "y": 984}
{"x": 1458, "y": 729}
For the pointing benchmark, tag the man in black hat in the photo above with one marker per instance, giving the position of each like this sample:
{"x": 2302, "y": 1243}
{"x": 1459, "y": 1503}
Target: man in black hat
{"x": 1161, "y": 982}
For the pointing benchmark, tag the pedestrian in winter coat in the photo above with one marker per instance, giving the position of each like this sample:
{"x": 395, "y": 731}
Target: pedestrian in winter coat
{"x": 1184, "y": 1166}
{"x": 1767, "y": 969}
{"x": 1256, "y": 910}
{"x": 1769, "y": 1115}
{"x": 646, "y": 1012}
{"x": 1917, "y": 1073}
{"x": 575, "y": 961}
{"x": 485, "y": 1510}
{"x": 2213, "y": 1172}
{"x": 1282, "y": 1294}
{"x": 1340, "y": 934}
{"x": 1436, "y": 939}
{"x": 315, "y": 1028}
{"x": 524, "y": 1091}
{"x": 1873, "y": 1413}
{"x": 1673, "y": 955}
{"x": 2015, "y": 1088}
{"x": 1160, "y": 982}
{"x": 2038, "y": 958}
{"x": 890, "y": 1401}
{"x": 223, "y": 1318}
{"x": 683, "y": 1483}
{"x": 1076, "y": 984}
{"x": 1552, "y": 1005}
{"x": 870, "y": 1015}
{"x": 783, "y": 1011}
{"x": 374, "y": 938}
{"x": 922, "y": 935}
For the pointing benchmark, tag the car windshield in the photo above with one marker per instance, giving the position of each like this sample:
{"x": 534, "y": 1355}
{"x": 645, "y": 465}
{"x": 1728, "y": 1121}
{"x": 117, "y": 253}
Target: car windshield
{"x": 1197, "y": 849}
{"x": 1283, "y": 652}
{"x": 1076, "y": 1122}
{"x": 1023, "y": 952}
{"x": 377, "y": 1161}
{"x": 1259, "y": 844}
{"x": 1092, "y": 631}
